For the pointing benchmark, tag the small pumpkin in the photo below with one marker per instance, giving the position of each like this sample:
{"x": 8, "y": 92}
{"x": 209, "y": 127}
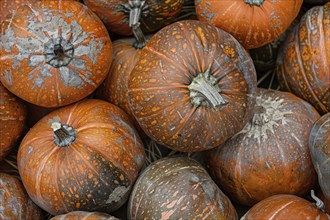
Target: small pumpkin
{"x": 285, "y": 206}
{"x": 85, "y": 156}
{"x": 13, "y": 113}
{"x": 54, "y": 53}
{"x": 155, "y": 14}
{"x": 303, "y": 62}
{"x": 15, "y": 202}
{"x": 178, "y": 188}
{"x": 193, "y": 86}
{"x": 75, "y": 215}
{"x": 319, "y": 146}
{"x": 270, "y": 154}
{"x": 253, "y": 23}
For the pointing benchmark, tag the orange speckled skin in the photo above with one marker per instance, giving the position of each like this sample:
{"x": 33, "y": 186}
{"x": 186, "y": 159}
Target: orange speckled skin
{"x": 15, "y": 202}
{"x": 161, "y": 13}
{"x": 12, "y": 120}
{"x": 178, "y": 188}
{"x": 95, "y": 172}
{"x": 24, "y": 70}
{"x": 319, "y": 146}
{"x": 83, "y": 215}
{"x": 253, "y": 26}
{"x": 115, "y": 87}
{"x": 284, "y": 206}
{"x": 158, "y": 88}
{"x": 303, "y": 64}
{"x": 271, "y": 158}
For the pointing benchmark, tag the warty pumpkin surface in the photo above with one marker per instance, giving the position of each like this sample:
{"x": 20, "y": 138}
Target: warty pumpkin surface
{"x": 15, "y": 202}
{"x": 155, "y": 14}
{"x": 303, "y": 64}
{"x": 13, "y": 114}
{"x": 319, "y": 146}
{"x": 54, "y": 53}
{"x": 193, "y": 86}
{"x": 85, "y": 156}
{"x": 178, "y": 188}
{"x": 253, "y": 23}
{"x": 83, "y": 215}
{"x": 270, "y": 155}
{"x": 285, "y": 206}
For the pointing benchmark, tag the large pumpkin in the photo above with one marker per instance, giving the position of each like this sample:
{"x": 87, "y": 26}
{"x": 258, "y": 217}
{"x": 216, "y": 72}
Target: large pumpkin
{"x": 285, "y": 206}
{"x": 303, "y": 64}
{"x": 13, "y": 114}
{"x": 193, "y": 86}
{"x": 54, "y": 53}
{"x": 85, "y": 156}
{"x": 76, "y": 215}
{"x": 15, "y": 202}
{"x": 155, "y": 14}
{"x": 270, "y": 155}
{"x": 253, "y": 23}
{"x": 178, "y": 188}
{"x": 319, "y": 145}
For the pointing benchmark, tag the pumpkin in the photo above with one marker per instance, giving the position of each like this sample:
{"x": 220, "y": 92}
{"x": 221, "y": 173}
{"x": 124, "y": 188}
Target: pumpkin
{"x": 285, "y": 206}
{"x": 319, "y": 146}
{"x": 253, "y": 23}
{"x": 15, "y": 202}
{"x": 117, "y": 14}
{"x": 54, "y": 53}
{"x": 115, "y": 87}
{"x": 193, "y": 86}
{"x": 13, "y": 115}
{"x": 178, "y": 188}
{"x": 303, "y": 62}
{"x": 75, "y": 215}
{"x": 270, "y": 154}
{"x": 85, "y": 156}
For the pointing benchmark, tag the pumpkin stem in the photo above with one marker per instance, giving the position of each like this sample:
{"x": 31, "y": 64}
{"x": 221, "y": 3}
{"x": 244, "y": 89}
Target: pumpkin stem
{"x": 58, "y": 52}
{"x": 135, "y": 9}
{"x": 260, "y": 117}
{"x": 319, "y": 204}
{"x": 254, "y": 2}
{"x": 205, "y": 91}
{"x": 64, "y": 135}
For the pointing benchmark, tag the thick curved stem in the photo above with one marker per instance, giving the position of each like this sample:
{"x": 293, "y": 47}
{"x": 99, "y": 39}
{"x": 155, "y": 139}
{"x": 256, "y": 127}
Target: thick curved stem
{"x": 64, "y": 135}
{"x": 139, "y": 37}
{"x": 319, "y": 204}
{"x": 205, "y": 91}
{"x": 254, "y": 2}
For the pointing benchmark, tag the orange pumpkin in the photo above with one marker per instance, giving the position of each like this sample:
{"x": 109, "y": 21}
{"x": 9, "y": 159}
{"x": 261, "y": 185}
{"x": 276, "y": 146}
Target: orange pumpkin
{"x": 15, "y": 202}
{"x": 303, "y": 63}
{"x": 75, "y": 215}
{"x": 54, "y": 53}
{"x": 85, "y": 156}
{"x": 253, "y": 23}
{"x": 13, "y": 113}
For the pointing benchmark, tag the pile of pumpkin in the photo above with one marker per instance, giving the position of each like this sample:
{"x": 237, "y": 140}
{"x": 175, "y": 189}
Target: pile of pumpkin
{"x": 79, "y": 103}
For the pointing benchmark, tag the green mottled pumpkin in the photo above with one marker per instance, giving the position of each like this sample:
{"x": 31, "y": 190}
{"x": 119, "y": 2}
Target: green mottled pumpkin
{"x": 193, "y": 86}
{"x": 270, "y": 155}
{"x": 178, "y": 188}
{"x": 85, "y": 156}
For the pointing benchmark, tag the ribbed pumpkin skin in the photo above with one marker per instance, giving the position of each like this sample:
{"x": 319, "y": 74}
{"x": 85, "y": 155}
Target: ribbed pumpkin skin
{"x": 178, "y": 188}
{"x": 83, "y": 215}
{"x": 253, "y": 26}
{"x": 15, "y": 202}
{"x": 95, "y": 172}
{"x": 161, "y": 13}
{"x": 115, "y": 87}
{"x": 319, "y": 146}
{"x": 13, "y": 114}
{"x": 270, "y": 155}
{"x": 30, "y": 42}
{"x": 303, "y": 63}
{"x": 285, "y": 207}
{"x": 159, "y": 93}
